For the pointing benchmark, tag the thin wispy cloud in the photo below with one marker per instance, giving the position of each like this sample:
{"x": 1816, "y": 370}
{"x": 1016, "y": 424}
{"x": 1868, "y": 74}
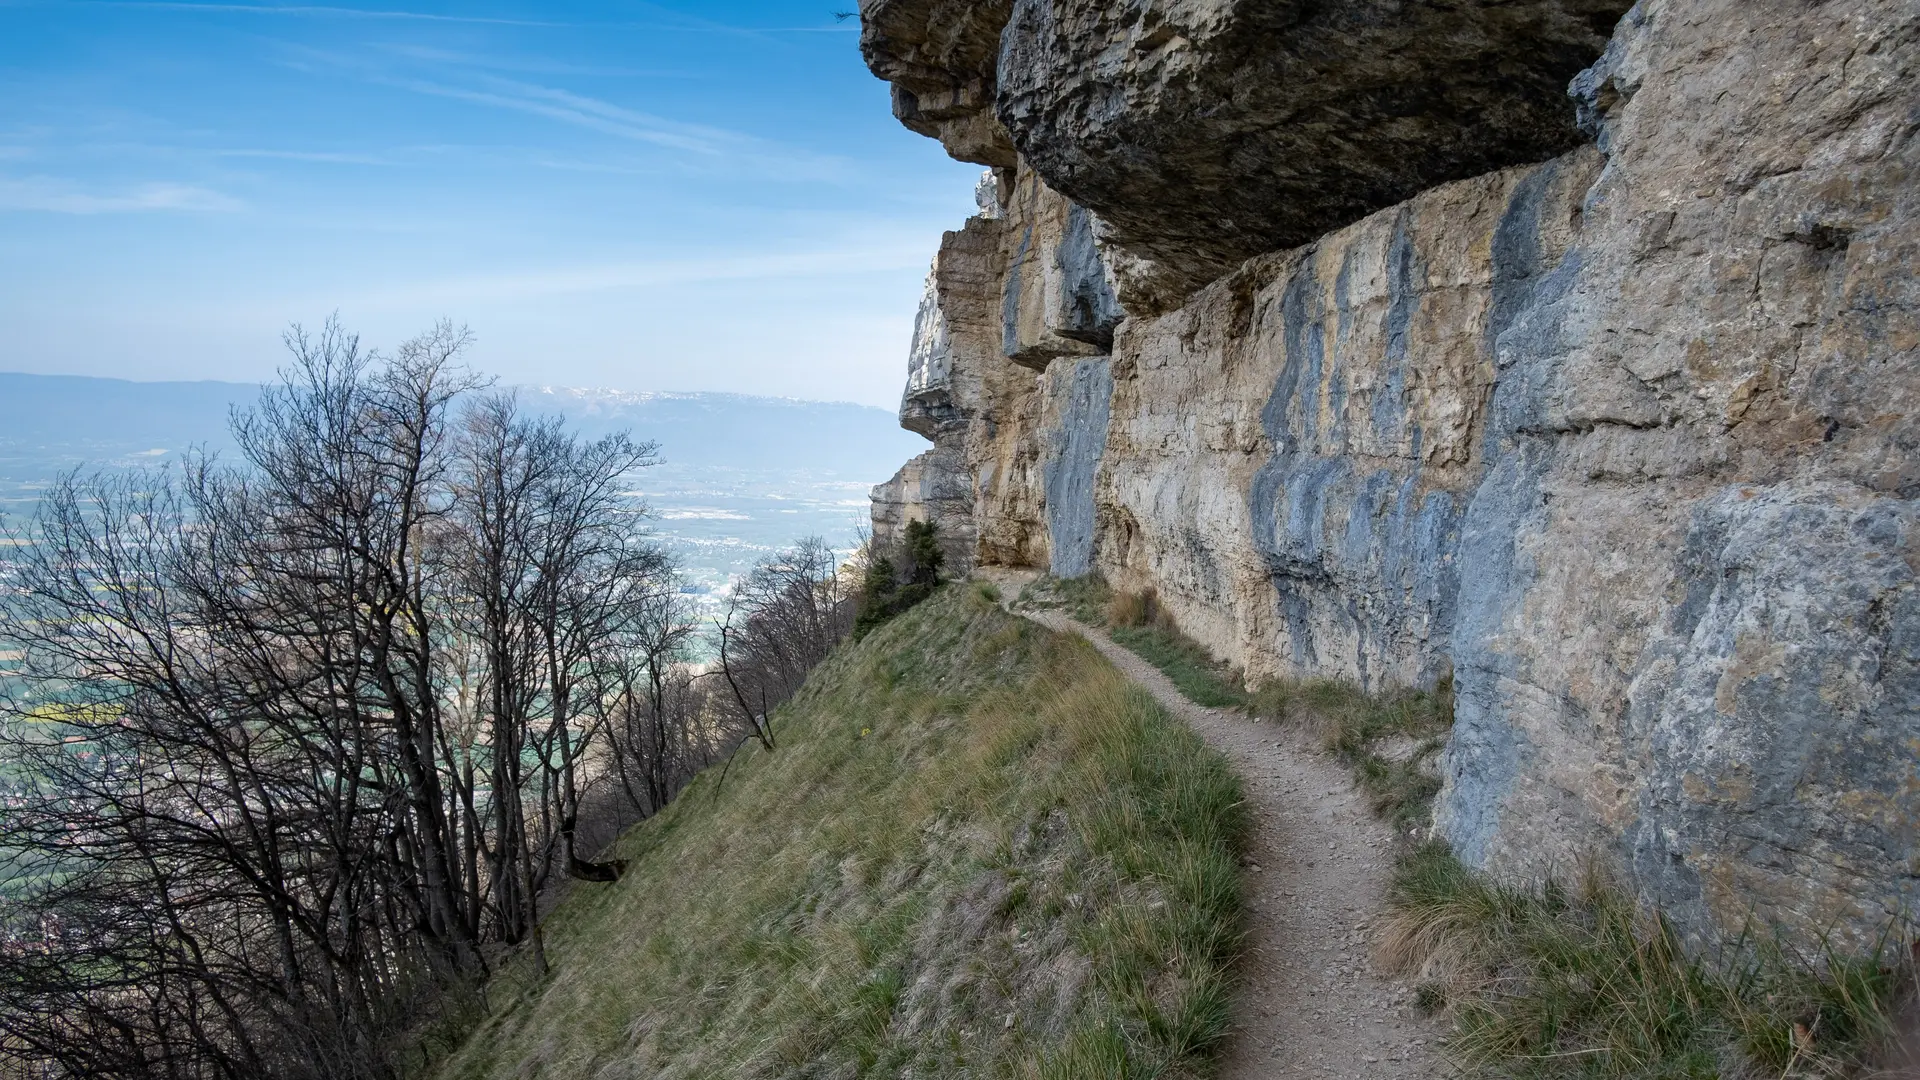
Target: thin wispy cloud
{"x": 677, "y": 25}
{"x": 905, "y": 252}
{"x": 48, "y": 195}
{"x": 573, "y": 109}
{"x": 322, "y": 157}
{"x": 549, "y": 102}
{"x": 606, "y": 167}
{"x": 324, "y": 11}
{"x": 442, "y": 73}
{"x": 177, "y": 154}
{"x": 528, "y": 65}
{"x": 188, "y": 175}
{"x": 578, "y": 110}
{"x": 681, "y": 21}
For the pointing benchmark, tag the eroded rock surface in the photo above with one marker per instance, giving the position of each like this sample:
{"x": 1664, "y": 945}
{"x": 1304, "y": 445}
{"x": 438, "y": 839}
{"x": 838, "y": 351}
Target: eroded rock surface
{"x": 1623, "y": 442}
{"x": 1209, "y": 131}
{"x": 941, "y": 57}
{"x": 1019, "y": 286}
{"x": 1205, "y": 132}
{"x": 1694, "y": 632}
{"x": 1302, "y": 441}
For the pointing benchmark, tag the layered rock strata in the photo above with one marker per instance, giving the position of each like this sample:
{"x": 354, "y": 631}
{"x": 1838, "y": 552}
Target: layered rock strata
{"x": 1273, "y": 121}
{"x": 1619, "y": 437}
{"x": 940, "y": 57}
{"x": 1021, "y": 286}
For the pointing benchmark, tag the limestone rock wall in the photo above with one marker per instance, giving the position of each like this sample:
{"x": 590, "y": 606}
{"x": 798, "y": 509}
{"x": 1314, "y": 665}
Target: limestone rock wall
{"x": 941, "y": 57}
{"x": 1689, "y": 625}
{"x": 1021, "y": 285}
{"x": 1616, "y": 430}
{"x": 1301, "y": 441}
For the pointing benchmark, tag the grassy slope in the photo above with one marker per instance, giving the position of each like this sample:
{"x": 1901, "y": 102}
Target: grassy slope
{"x": 1194, "y": 671}
{"x": 978, "y": 851}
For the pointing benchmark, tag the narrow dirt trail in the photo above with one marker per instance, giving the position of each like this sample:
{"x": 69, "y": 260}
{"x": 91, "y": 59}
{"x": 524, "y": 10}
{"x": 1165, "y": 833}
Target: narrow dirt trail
{"x": 1311, "y": 1003}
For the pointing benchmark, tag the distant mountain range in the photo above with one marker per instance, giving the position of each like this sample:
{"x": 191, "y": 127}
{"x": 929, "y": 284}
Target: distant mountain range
{"x": 735, "y": 431}
{"x": 740, "y": 476}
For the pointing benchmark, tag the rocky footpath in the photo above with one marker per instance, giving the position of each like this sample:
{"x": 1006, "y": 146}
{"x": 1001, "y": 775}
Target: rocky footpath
{"x": 1567, "y": 351}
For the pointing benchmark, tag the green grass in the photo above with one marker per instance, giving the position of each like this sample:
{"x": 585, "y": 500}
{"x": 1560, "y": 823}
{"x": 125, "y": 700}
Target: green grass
{"x": 1085, "y": 598}
{"x": 1388, "y": 739}
{"x": 1139, "y": 623}
{"x": 1550, "y": 982}
{"x": 1193, "y": 672}
{"x": 978, "y": 851}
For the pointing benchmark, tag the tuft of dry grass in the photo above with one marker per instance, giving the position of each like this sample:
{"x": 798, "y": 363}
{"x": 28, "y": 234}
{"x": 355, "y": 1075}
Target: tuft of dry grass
{"x": 1550, "y": 981}
{"x": 1131, "y": 609}
{"x": 979, "y": 851}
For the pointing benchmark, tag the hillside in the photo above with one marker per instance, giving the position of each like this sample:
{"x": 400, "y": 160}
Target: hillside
{"x": 978, "y": 851}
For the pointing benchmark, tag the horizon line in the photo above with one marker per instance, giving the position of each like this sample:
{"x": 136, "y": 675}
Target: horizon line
{"x": 546, "y": 388}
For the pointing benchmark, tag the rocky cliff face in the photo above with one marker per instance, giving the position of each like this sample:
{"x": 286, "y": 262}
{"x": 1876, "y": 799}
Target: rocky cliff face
{"x": 1379, "y": 353}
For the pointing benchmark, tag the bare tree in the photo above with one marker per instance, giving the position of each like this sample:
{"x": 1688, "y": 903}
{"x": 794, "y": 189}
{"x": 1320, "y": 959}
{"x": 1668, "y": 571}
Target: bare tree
{"x": 297, "y": 737}
{"x": 242, "y": 812}
{"x": 781, "y": 621}
{"x": 655, "y": 707}
{"x": 556, "y": 571}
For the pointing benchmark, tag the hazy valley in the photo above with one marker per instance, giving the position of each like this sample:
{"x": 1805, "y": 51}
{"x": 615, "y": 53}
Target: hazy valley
{"x": 739, "y": 476}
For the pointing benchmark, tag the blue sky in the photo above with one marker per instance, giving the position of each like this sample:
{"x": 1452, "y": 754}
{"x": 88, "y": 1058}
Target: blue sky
{"x": 673, "y": 196}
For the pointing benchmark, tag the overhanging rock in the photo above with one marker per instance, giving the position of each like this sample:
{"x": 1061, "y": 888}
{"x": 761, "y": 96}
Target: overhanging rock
{"x": 940, "y": 56}
{"x": 1205, "y": 132}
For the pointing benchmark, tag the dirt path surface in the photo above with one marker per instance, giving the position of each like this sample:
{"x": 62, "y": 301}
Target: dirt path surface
{"x": 1311, "y": 1003}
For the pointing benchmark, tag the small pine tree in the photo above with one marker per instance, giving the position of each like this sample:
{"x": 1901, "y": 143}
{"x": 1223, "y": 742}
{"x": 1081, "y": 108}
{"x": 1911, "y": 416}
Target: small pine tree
{"x": 887, "y": 592}
{"x": 876, "y": 593}
{"x": 881, "y": 578}
{"x": 923, "y": 553}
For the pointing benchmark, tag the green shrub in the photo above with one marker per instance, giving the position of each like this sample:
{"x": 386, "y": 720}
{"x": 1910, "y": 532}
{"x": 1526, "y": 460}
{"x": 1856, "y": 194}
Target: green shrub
{"x": 886, "y": 591}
